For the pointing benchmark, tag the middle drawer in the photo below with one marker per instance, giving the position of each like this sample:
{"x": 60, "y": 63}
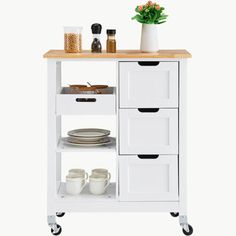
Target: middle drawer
{"x": 148, "y": 131}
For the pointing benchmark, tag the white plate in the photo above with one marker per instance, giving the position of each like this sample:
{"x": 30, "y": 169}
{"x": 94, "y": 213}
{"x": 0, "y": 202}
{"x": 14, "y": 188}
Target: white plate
{"x": 65, "y": 141}
{"x": 89, "y": 133}
{"x": 87, "y": 141}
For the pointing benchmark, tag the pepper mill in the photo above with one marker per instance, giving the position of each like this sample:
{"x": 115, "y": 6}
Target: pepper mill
{"x": 96, "y": 46}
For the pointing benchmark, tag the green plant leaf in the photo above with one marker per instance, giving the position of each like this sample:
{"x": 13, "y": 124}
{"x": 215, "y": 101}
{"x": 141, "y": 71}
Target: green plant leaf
{"x": 163, "y": 17}
{"x": 139, "y": 18}
{"x": 134, "y": 17}
{"x": 161, "y": 22}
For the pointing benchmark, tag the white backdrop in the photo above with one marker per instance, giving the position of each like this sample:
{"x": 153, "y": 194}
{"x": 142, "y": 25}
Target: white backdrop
{"x": 30, "y": 28}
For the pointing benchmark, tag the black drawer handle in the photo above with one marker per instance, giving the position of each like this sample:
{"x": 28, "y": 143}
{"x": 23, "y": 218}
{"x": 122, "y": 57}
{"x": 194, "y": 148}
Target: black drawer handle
{"x": 148, "y": 156}
{"x": 148, "y": 63}
{"x": 85, "y": 99}
{"x": 148, "y": 109}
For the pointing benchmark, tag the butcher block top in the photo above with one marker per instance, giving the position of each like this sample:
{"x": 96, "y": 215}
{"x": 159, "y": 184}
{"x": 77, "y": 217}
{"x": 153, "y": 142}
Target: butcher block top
{"x": 60, "y": 54}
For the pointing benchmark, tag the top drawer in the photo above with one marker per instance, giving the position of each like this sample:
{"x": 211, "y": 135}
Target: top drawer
{"x": 144, "y": 85}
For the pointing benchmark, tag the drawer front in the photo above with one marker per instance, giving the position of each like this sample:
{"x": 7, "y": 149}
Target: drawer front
{"x": 148, "y": 132}
{"x": 148, "y": 179}
{"x": 148, "y": 86}
{"x": 88, "y": 104}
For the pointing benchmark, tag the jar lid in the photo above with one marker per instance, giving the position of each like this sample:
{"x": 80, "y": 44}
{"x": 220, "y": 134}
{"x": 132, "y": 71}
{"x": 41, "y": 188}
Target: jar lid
{"x": 111, "y": 31}
{"x": 96, "y": 28}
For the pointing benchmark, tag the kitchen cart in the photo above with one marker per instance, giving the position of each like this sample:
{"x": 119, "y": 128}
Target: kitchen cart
{"x": 151, "y": 134}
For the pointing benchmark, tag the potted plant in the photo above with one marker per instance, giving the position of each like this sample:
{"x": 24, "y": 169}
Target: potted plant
{"x": 150, "y": 15}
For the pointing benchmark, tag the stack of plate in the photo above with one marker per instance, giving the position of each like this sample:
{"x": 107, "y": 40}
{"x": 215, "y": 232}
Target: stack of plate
{"x": 90, "y": 137}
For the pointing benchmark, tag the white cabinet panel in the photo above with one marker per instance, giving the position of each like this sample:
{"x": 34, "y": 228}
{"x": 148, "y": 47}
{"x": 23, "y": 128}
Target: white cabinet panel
{"x": 148, "y": 86}
{"x": 148, "y": 132}
{"x": 148, "y": 179}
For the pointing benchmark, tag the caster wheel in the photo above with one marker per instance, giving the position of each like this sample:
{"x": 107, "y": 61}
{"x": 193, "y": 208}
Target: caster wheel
{"x": 174, "y": 214}
{"x": 58, "y": 231}
{"x": 60, "y": 214}
{"x": 190, "y": 230}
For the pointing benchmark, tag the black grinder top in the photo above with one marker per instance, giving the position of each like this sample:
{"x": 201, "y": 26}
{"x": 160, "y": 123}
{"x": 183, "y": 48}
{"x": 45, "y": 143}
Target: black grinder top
{"x": 96, "y": 28}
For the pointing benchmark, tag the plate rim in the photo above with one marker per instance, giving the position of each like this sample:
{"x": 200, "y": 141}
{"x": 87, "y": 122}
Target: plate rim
{"x": 84, "y": 142}
{"x": 104, "y": 133}
{"x": 64, "y": 140}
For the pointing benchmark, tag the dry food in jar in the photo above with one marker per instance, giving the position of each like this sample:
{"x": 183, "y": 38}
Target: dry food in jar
{"x": 111, "y": 41}
{"x": 72, "y": 39}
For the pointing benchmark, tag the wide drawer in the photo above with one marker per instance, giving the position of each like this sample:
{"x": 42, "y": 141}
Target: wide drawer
{"x": 91, "y": 104}
{"x": 145, "y": 85}
{"x": 147, "y": 131}
{"x": 148, "y": 178}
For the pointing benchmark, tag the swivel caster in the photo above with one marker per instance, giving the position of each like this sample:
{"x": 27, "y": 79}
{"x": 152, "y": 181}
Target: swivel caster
{"x": 174, "y": 214}
{"x": 189, "y": 231}
{"x": 60, "y": 214}
{"x": 56, "y": 229}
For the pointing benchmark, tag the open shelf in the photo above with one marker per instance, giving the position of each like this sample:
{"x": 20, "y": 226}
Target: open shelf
{"x": 70, "y": 102}
{"x": 62, "y": 147}
{"x": 85, "y": 195}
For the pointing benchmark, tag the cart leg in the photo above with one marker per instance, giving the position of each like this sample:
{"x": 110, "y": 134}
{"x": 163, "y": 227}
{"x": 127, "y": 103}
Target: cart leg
{"x": 187, "y": 228}
{"x": 55, "y": 228}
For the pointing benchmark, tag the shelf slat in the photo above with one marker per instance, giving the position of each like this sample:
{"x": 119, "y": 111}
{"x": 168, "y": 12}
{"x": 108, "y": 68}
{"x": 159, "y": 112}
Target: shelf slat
{"x": 85, "y": 195}
{"x": 62, "y": 147}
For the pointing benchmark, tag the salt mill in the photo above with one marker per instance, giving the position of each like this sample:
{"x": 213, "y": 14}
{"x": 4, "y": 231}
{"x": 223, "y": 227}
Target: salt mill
{"x": 96, "y": 44}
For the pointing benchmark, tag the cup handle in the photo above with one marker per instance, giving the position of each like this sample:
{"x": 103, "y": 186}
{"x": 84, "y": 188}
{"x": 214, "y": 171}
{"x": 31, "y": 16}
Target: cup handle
{"x": 109, "y": 176}
{"x": 86, "y": 175}
{"x": 84, "y": 185}
{"x": 108, "y": 182}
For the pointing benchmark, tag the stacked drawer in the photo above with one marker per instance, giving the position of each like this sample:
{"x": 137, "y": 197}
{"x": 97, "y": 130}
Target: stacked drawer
{"x": 148, "y": 131}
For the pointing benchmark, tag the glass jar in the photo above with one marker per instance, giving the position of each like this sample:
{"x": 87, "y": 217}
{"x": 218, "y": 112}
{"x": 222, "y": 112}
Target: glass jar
{"x": 111, "y": 41}
{"x": 72, "y": 39}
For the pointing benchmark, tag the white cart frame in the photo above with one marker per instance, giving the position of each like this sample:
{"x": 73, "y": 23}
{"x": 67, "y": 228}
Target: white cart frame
{"x": 58, "y": 204}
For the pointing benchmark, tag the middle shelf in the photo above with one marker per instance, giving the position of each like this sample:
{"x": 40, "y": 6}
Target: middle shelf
{"x": 63, "y": 147}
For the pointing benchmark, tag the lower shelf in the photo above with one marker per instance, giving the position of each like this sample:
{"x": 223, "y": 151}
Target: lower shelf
{"x": 85, "y": 195}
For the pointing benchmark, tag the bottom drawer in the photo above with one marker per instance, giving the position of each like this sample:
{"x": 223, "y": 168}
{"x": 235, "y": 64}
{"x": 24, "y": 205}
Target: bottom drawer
{"x": 148, "y": 178}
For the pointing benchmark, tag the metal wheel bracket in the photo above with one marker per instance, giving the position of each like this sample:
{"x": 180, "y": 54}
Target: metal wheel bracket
{"x": 183, "y": 221}
{"x": 185, "y": 227}
{"x": 53, "y": 224}
{"x": 51, "y": 220}
{"x": 55, "y": 228}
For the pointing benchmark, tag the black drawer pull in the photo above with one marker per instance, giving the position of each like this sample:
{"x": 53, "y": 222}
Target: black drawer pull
{"x": 148, "y": 109}
{"x": 148, "y": 156}
{"x": 148, "y": 63}
{"x": 85, "y": 99}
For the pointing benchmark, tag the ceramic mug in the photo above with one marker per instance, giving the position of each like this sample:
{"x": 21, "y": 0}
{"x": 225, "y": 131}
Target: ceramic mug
{"x": 98, "y": 184}
{"x": 101, "y": 172}
{"x": 79, "y": 173}
{"x": 75, "y": 184}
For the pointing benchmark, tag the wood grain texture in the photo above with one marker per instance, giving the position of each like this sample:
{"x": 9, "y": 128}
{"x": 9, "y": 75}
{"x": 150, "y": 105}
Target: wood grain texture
{"x": 180, "y": 53}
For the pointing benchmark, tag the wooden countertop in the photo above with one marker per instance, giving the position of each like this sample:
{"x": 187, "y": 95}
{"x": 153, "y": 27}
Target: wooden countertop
{"x": 181, "y": 53}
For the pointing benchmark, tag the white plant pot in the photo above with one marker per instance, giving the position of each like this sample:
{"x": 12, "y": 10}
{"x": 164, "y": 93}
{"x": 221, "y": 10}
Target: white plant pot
{"x": 149, "y": 38}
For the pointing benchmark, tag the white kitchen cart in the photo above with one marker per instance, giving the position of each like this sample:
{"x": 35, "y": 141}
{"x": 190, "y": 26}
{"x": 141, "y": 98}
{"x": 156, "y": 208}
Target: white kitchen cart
{"x": 151, "y": 138}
